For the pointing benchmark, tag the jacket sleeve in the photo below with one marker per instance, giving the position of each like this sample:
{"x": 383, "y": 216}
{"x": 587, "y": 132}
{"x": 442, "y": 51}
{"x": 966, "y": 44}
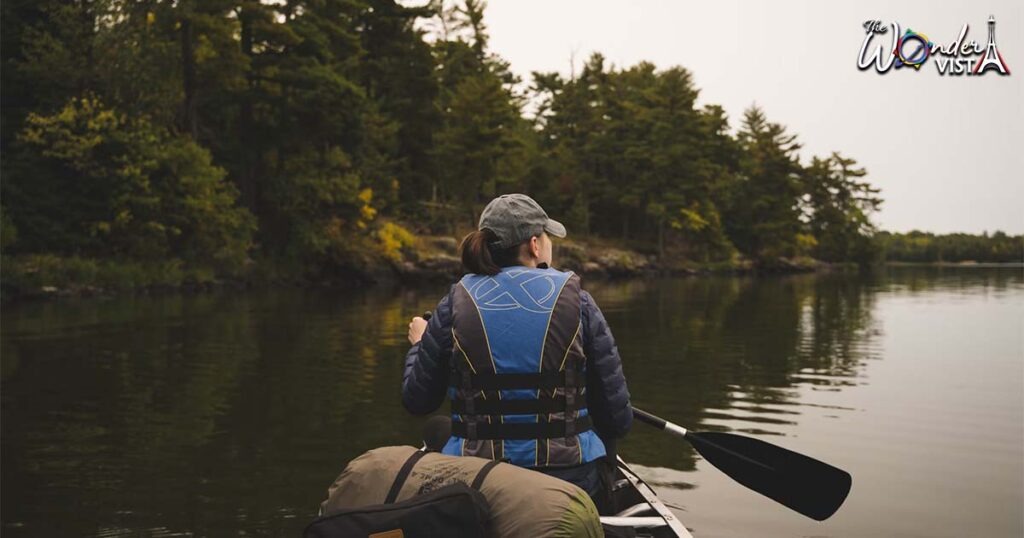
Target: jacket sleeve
{"x": 608, "y": 395}
{"x": 425, "y": 379}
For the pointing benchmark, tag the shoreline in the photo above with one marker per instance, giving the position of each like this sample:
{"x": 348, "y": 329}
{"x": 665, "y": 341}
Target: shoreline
{"x": 43, "y": 277}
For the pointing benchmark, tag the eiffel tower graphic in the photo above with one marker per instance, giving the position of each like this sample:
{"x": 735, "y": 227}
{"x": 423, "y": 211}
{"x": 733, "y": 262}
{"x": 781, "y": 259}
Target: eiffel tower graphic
{"x": 992, "y": 58}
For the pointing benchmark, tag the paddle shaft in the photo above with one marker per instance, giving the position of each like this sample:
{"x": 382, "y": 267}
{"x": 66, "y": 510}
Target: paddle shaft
{"x": 660, "y": 423}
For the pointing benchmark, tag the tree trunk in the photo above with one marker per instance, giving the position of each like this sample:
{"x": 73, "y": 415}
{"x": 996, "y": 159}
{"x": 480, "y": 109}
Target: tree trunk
{"x": 247, "y": 181}
{"x": 188, "y": 68}
{"x": 661, "y": 238}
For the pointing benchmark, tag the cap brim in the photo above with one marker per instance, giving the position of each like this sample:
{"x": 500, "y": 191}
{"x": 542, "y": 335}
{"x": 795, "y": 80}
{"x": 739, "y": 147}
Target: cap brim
{"x": 554, "y": 228}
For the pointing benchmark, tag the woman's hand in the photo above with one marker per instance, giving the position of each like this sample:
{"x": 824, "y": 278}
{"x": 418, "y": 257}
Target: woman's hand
{"x": 416, "y": 328}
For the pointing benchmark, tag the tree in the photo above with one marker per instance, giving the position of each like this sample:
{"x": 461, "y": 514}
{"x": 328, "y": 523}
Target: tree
{"x": 481, "y": 123}
{"x": 398, "y": 72}
{"x": 334, "y": 118}
{"x": 109, "y": 185}
{"x": 763, "y": 215}
{"x": 838, "y": 207}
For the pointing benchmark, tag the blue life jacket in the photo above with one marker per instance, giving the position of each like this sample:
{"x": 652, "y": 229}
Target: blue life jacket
{"x": 518, "y": 379}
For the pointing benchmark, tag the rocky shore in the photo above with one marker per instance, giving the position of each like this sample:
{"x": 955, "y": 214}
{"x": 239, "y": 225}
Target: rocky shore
{"x": 436, "y": 259}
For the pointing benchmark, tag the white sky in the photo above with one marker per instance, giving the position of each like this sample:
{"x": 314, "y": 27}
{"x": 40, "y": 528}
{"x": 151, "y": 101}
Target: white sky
{"x": 946, "y": 151}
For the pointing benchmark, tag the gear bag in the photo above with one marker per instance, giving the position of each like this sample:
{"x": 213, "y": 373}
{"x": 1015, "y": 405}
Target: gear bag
{"x": 452, "y": 510}
{"x": 522, "y": 503}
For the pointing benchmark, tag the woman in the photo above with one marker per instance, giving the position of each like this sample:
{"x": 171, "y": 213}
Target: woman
{"x": 524, "y": 355}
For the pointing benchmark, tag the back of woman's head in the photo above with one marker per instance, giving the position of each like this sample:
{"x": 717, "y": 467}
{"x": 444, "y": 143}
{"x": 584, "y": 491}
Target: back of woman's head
{"x": 480, "y": 257}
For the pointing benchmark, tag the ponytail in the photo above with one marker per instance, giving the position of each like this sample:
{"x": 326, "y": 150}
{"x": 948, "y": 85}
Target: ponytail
{"x": 478, "y": 256}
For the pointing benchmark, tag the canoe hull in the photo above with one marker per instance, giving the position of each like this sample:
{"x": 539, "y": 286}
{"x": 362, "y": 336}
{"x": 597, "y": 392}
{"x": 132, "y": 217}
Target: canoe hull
{"x": 640, "y": 507}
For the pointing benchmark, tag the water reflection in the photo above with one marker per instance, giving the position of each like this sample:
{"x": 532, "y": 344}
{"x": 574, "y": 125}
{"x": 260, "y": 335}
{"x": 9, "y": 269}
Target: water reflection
{"x": 727, "y": 354}
{"x": 214, "y": 413}
{"x": 224, "y": 414}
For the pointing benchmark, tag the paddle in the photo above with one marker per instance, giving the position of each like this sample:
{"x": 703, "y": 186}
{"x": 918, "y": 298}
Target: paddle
{"x": 811, "y": 487}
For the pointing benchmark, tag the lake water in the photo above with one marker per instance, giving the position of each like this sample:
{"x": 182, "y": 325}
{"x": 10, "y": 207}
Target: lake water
{"x": 229, "y": 414}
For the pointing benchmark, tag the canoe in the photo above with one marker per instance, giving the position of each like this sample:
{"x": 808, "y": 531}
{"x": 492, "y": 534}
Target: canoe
{"x": 644, "y": 511}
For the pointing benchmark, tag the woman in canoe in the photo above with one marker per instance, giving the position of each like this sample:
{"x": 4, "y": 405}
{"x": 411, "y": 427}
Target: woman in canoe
{"x": 523, "y": 354}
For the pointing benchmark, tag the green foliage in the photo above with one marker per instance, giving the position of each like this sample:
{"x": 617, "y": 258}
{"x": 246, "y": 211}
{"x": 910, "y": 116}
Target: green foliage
{"x": 629, "y": 145}
{"x": 482, "y": 142}
{"x": 762, "y": 209}
{"x": 476, "y": 136}
{"x": 838, "y": 208}
{"x": 107, "y": 185}
{"x": 917, "y": 246}
{"x": 299, "y": 133}
{"x": 317, "y": 197}
{"x": 35, "y": 273}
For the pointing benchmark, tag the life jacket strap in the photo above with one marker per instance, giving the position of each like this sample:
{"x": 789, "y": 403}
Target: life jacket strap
{"x": 520, "y": 407}
{"x": 491, "y": 381}
{"x": 520, "y": 430}
{"x": 570, "y": 402}
{"x": 466, "y": 382}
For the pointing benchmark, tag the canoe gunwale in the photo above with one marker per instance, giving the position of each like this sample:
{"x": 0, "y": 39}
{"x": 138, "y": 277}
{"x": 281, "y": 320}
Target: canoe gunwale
{"x": 671, "y": 524}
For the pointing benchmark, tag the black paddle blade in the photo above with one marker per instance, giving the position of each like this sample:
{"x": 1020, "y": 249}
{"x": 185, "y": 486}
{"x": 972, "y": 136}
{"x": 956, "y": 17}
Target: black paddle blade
{"x": 811, "y": 487}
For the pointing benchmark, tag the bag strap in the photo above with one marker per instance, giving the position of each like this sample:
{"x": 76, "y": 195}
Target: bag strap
{"x": 482, "y": 474}
{"x": 403, "y": 474}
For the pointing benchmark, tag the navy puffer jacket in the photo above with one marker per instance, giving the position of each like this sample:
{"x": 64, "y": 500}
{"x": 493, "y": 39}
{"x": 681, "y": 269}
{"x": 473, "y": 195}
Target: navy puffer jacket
{"x": 425, "y": 381}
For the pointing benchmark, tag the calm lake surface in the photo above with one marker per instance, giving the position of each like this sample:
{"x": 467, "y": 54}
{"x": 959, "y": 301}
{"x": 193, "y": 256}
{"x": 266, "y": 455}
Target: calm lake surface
{"x": 229, "y": 414}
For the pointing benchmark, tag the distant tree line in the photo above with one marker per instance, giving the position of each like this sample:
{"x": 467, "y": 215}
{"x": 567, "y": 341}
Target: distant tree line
{"x": 919, "y": 246}
{"x": 222, "y": 132}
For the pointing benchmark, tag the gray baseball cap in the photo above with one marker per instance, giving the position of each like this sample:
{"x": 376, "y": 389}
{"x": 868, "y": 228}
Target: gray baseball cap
{"x": 514, "y": 218}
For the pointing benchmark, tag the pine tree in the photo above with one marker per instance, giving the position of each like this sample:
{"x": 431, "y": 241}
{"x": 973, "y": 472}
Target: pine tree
{"x": 763, "y": 216}
{"x": 838, "y": 207}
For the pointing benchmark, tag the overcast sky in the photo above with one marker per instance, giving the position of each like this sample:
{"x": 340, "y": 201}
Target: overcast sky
{"x": 946, "y": 151}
